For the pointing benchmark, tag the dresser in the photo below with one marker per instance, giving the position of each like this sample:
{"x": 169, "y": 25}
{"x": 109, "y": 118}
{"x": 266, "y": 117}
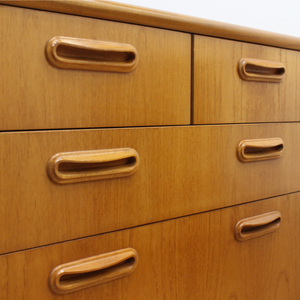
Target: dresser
{"x": 146, "y": 155}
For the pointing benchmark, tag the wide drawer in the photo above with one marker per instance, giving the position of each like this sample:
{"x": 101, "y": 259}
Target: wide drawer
{"x": 192, "y": 257}
{"x": 181, "y": 170}
{"x": 37, "y": 95}
{"x": 222, "y": 96}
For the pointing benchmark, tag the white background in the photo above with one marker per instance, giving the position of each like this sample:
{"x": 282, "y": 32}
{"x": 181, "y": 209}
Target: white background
{"x": 278, "y": 16}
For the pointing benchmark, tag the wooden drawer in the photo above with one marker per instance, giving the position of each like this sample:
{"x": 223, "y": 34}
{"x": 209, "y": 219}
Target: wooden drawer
{"x": 36, "y": 95}
{"x": 198, "y": 255}
{"x": 182, "y": 170}
{"x": 221, "y": 96}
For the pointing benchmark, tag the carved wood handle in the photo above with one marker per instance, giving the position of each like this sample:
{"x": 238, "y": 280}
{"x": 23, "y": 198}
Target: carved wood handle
{"x": 70, "y": 167}
{"x": 91, "y": 271}
{"x": 260, "y": 149}
{"x": 261, "y": 70}
{"x": 256, "y": 226}
{"x": 93, "y": 55}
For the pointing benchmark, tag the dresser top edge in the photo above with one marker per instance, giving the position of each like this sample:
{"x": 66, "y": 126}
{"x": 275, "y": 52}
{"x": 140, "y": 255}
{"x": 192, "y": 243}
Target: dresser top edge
{"x": 149, "y": 17}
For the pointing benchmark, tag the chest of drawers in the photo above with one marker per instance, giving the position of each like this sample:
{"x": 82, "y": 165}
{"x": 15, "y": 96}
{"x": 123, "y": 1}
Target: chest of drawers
{"x": 146, "y": 155}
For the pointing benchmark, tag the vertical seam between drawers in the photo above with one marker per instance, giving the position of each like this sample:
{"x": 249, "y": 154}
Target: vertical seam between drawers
{"x": 192, "y": 79}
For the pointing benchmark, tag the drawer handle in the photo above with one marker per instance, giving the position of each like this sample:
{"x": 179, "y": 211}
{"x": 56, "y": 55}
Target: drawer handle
{"x": 256, "y": 226}
{"x": 261, "y": 70}
{"x": 91, "y": 271}
{"x": 70, "y": 167}
{"x": 92, "y": 55}
{"x": 260, "y": 149}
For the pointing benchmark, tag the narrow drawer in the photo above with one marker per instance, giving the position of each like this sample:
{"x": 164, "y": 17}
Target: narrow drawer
{"x": 45, "y": 89}
{"x": 264, "y": 89}
{"x": 178, "y": 171}
{"x": 192, "y": 257}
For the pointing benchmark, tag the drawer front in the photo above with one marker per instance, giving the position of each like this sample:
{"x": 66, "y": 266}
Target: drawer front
{"x": 196, "y": 256}
{"x": 36, "y": 95}
{"x": 181, "y": 171}
{"x": 222, "y": 96}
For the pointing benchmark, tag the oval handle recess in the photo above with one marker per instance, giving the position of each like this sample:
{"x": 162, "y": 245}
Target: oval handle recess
{"x": 93, "y": 55}
{"x": 260, "y": 149}
{"x": 261, "y": 70}
{"x": 256, "y": 226}
{"x": 70, "y": 167}
{"x": 91, "y": 271}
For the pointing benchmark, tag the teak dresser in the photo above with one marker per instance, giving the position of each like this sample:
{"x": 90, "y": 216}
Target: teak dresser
{"x": 146, "y": 155}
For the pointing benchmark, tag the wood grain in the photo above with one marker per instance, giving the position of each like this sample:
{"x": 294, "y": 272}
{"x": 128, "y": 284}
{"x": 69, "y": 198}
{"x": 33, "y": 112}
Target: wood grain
{"x": 221, "y": 96}
{"x": 182, "y": 170}
{"x": 196, "y": 256}
{"x": 144, "y": 16}
{"x": 36, "y": 95}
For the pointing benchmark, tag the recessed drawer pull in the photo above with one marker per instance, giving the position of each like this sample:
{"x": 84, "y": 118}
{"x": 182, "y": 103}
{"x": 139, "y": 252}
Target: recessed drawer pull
{"x": 261, "y": 70}
{"x": 93, "y": 55}
{"x": 91, "y": 271}
{"x": 70, "y": 167}
{"x": 256, "y": 226}
{"x": 260, "y": 149}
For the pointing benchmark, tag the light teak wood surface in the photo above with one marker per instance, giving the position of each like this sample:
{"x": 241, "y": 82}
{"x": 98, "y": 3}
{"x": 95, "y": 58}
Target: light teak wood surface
{"x": 144, "y": 16}
{"x": 195, "y": 256}
{"x": 182, "y": 170}
{"x": 221, "y": 96}
{"x": 36, "y": 95}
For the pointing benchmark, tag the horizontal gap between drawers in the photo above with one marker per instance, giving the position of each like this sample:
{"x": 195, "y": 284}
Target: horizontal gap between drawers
{"x": 145, "y": 126}
{"x": 146, "y": 224}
